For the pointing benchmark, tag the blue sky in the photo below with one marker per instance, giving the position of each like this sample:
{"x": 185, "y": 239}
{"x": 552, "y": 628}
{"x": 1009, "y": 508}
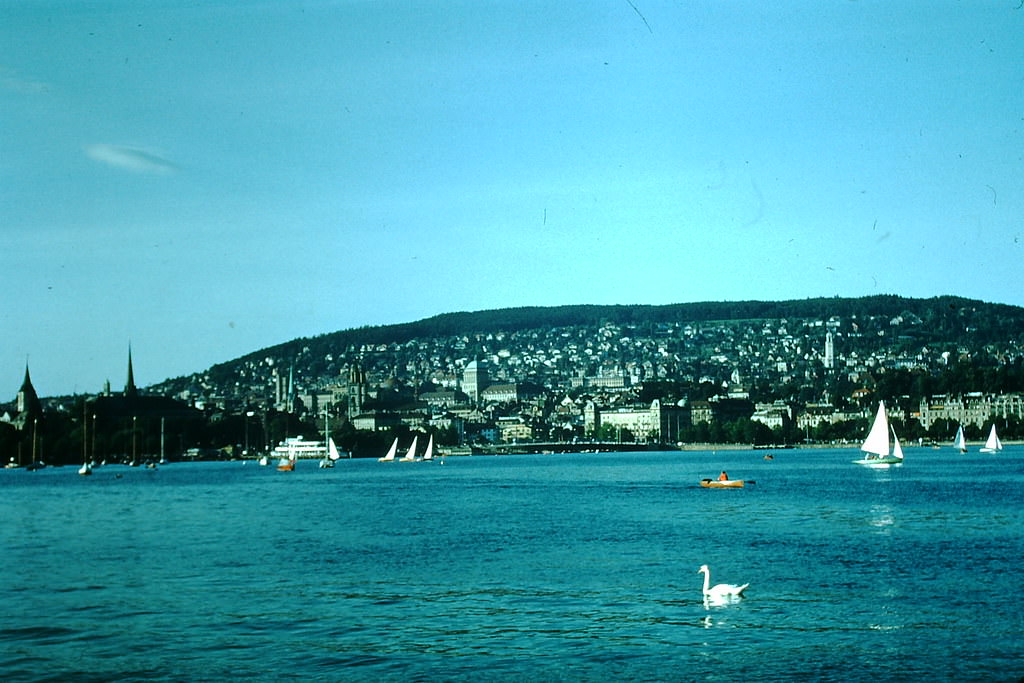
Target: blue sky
{"x": 202, "y": 180}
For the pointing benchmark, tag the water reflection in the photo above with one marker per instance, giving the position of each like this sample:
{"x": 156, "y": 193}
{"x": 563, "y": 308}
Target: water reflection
{"x": 721, "y": 600}
{"x": 882, "y": 518}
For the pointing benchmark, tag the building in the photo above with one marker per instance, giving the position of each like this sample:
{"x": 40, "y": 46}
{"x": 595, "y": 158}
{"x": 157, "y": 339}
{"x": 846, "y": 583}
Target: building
{"x": 474, "y": 380}
{"x": 775, "y": 415}
{"x": 28, "y": 409}
{"x": 513, "y": 429}
{"x": 1008, "y": 405}
{"x": 356, "y": 390}
{"x": 657, "y": 422}
{"x": 970, "y": 409}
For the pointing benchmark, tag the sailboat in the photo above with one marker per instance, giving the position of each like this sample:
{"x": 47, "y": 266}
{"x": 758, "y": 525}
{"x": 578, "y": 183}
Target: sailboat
{"x": 410, "y": 455}
{"x": 877, "y": 443}
{"x": 959, "y": 442}
{"x": 391, "y": 452}
{"x": 86, "y": 468}
{"x": 429, "y": 455}
{"x": 992, "y": 444}
{"x": 287, "y": 461}
{"x": 332, "y": 453}
{"x": 163, "y": 457}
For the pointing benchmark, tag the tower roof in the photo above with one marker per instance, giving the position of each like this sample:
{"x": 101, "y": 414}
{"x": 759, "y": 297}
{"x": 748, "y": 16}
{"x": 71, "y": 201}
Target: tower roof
{"x": 28, "y": 404}
{"x": 129, "y": 386}
{"x": 26, "y": 384}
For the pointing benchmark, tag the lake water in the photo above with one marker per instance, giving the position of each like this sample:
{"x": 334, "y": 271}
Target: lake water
{"x": 525, "y": 568}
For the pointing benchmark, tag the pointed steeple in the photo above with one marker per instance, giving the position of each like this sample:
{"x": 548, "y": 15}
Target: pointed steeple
{"x": 27, "y": 397}
{"x": 129, "y": 386}
{"x": 28, "y": 406}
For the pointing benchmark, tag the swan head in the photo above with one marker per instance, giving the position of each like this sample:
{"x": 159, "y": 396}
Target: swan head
{"x": 704, "y": 569}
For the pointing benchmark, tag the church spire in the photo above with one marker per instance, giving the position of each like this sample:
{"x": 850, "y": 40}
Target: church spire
{"x": 129, "y": 386}
{"x": 28, "y": 403}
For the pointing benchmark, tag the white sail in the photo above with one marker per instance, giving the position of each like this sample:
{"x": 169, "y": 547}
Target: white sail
{"x": 391, "y": 452}
{"x": 992, "y": 444}
{"x": 897, "y": 450}
{"x": 411, "y": 453}
{"x": 429, "y": 455}
{"x": 959, "y": 442}
{"x": 878, "y": 438}
{"x": 332, "y": 449}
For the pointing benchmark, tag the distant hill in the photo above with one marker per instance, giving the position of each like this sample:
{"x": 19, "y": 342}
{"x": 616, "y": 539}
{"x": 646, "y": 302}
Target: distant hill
{"x": 948, "y": 319}
{"x": 942, "y": 315}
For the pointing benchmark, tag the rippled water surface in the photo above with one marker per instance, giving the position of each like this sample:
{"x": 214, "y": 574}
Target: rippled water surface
{"x": 557, "y": 567}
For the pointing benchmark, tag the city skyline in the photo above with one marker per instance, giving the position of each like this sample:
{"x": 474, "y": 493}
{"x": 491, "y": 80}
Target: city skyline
{"x": 203, "y": 182}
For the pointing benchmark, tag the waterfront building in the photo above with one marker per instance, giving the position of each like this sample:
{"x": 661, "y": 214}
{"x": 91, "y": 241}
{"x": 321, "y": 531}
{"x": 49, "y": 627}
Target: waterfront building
{"x": 513, "y": 429}
{"x": 775, "y": 415}
{"x": 1008, "y": 405}
{"x": 657, "y": 422}
{"x": 969, "y": 409}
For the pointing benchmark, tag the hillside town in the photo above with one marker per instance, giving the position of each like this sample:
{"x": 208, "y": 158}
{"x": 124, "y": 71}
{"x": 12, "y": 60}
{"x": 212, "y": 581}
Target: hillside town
{"x": 778, "y": 382}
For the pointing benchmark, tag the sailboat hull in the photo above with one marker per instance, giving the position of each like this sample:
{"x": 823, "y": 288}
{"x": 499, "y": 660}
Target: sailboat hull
{"x": 884, "y": 461}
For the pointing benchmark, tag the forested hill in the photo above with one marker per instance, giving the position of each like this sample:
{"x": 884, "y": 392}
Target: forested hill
{"x": 948, "y": 319}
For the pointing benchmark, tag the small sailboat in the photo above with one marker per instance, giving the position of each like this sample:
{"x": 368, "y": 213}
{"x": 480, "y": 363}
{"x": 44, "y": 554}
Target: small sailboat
{"x": 429, "y": 455}
{"x": 992, "y": 444}
{"x": 163, "y": 457}
{"x": 86, "y": 469}
{"x": 876, "y": 446}
{"x": 390, "y": 457}
{"x": 410, "y": 455}
{"x": 959, "y": 442}
{"x": 332, "y": 454}
{"x": 330, "y": 449}
{"x": 287, "y": 462}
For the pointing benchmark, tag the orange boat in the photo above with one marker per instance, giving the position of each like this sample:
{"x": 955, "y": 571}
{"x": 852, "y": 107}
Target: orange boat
{"x": 723, "y": 483}
{"x": 286, "y": 465}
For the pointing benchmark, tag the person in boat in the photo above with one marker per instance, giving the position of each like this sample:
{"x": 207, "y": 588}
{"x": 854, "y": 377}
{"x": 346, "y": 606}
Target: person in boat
{"x": 723, "y": 476}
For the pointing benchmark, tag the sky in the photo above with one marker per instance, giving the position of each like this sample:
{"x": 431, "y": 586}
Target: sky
{"x": 202, "y": 180}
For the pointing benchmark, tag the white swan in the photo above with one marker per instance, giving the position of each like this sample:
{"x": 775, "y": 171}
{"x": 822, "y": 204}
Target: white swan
{"x": 720, "y": 591}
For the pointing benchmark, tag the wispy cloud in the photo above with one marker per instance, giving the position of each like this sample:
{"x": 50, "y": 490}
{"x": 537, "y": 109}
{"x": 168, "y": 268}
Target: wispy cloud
{"x": 129, "y": 159}
{"x": 11, "y": 80}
